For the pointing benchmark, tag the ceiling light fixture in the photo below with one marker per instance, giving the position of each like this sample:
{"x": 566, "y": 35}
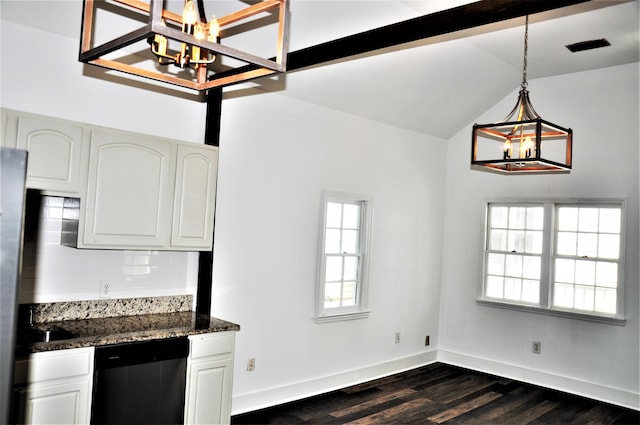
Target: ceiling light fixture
{"x": 522, "y": 142}
{"x": 185, "y": 40}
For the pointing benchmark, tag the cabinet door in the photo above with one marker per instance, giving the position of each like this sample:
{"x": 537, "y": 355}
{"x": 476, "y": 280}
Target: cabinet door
{"x": 195, "y": 196}
{"x": 55, "y": 151}
{"x": 128, "y": 205}
{"x": 54, "y": 403}
{"x": 54, "y": 387}
{"x": 4, "y": 141}
{"x": 208, "y": 399}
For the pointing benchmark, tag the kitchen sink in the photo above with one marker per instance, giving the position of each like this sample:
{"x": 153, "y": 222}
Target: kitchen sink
{"x": 30, "y": 336}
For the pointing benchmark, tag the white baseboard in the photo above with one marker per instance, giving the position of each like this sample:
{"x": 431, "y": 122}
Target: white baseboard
{"x": 591, "y": 390}
{"x": 247, "y": 402}
{"x": 295, "y": 391}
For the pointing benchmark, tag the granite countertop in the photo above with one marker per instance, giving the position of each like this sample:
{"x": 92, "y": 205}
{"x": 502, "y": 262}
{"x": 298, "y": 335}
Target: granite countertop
{"x": 91, "y": 324}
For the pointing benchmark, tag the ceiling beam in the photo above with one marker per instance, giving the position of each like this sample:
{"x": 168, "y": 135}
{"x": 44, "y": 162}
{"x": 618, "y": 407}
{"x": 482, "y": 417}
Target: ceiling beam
{"x": 424, "y": 27}
{"x": 432, "y": 25}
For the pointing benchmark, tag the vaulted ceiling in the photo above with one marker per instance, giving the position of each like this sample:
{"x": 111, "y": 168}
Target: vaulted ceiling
{"x": 440, "y": 85}
{"x": 433, "y": 86}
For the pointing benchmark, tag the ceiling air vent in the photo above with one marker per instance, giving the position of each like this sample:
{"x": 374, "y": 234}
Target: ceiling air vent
{"x": 588, "y": 45}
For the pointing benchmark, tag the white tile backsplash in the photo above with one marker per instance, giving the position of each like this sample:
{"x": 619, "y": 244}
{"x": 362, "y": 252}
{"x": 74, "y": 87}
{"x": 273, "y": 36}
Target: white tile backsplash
{"x": 52, "y": 272}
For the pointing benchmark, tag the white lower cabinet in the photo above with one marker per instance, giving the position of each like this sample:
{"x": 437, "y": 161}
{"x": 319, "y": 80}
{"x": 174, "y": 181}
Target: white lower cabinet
{"x": 209, "y": 379}
{"x": 54, "y": 387}
{"x": 58, "y": 403}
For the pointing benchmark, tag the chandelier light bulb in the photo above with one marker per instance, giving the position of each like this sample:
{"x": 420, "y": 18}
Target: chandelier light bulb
{"x": 507, "y": 149}
{"x": 214, "y": 30}
{"x": 526, "y": 148}
{"x": 189, "y": 17}
{"x": 199, "y": 33}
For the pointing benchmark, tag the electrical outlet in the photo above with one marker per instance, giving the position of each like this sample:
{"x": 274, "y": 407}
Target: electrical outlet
{"x": 537, "y": 347}
{"x": 397, "y": 337}
{"x": 251, "y": 364}
{"x": 426, "y": 340}
{"x": 105, "y": 289}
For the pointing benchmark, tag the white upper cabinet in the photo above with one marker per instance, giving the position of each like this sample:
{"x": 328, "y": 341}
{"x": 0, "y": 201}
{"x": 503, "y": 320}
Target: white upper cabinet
{"x": 128, "y": 192}
{"x": 148, "y": 193}
{"x": 55, "y": 151}
{"x": 195, "y": 196}
{"x": 131, "y": 191}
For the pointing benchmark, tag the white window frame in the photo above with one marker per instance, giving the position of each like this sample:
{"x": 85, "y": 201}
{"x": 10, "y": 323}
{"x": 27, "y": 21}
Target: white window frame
{"x": 360, "y": 309}
{"x": 550, "y": 230}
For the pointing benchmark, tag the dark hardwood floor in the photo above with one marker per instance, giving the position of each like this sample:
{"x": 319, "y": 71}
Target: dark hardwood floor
{"x": 443, "y": 394}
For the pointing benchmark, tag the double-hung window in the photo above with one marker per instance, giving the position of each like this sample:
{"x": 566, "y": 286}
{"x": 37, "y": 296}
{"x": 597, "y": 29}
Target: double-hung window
{"x": 344, "y": 252}
{"x": 514, "y": 253}
{"x": 586, "y": 258}
{"x": 558, "y": 257}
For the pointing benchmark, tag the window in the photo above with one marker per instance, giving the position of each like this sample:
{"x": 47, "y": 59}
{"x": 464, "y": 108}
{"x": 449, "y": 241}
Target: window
{"x": 557, "y": 257}
{"x": 586, "y": 259}
{"x": 515, "y": 253}
{"x": 342, "y": 280}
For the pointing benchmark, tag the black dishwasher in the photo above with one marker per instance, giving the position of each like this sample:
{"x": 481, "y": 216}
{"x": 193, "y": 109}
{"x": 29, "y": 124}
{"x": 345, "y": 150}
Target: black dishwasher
{"x": 140, "y": 382}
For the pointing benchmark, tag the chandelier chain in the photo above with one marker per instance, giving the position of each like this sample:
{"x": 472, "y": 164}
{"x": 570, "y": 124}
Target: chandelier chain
{"x": 526, "y": 48}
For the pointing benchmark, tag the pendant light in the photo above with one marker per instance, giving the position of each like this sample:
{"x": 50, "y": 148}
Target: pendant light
{"x": 522, "y": 142}
{"x": 187, "y": 41}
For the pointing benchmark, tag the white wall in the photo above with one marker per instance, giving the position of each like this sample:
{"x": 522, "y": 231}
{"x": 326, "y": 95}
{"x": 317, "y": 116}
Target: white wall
{"x": 277, "y": 155}
{"x": 50, "y": 81}
{"x": 596, "y": 359}
{"x": 57, "y": 85}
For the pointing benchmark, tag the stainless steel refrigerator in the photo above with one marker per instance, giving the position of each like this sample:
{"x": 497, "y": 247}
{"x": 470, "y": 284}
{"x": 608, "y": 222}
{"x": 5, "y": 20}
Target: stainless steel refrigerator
{"x": 13, "y": 166}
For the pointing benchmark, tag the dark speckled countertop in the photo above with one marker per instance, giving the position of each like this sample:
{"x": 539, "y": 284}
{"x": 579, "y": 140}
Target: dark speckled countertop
{"x": 93, "y": 330}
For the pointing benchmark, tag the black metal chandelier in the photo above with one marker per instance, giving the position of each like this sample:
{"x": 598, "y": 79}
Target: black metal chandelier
{"x": 522, "y": 142}
{"x": 186, "y": 40}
